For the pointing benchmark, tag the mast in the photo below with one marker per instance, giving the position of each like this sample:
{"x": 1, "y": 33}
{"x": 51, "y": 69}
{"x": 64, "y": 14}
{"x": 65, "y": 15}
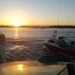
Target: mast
{"x": 54, "y": 35}
{"x": 59, "y": 11}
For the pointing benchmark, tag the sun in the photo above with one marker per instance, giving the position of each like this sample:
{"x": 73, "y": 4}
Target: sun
{"x": 16, "y": 22}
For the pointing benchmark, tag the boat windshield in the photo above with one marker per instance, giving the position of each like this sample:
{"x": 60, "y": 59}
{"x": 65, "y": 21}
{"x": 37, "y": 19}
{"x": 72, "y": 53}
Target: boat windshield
{"x": 52, "y": 41}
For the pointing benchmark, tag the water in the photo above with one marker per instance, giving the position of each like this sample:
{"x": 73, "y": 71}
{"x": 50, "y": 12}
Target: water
{"x": 35, "y": 32}
{"x": 29, "y": 42}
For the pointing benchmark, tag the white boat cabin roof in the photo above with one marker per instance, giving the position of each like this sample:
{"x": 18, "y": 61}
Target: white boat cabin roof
{"x": 68, "y": 40}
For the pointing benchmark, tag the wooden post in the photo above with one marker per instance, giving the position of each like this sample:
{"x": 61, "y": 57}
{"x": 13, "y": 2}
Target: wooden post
{"x": 70, "y": 68}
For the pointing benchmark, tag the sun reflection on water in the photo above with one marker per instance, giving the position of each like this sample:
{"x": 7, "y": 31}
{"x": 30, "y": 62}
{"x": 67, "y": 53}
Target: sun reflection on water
{"x": 21, "y": 67}
{"x": 16, "y": 33}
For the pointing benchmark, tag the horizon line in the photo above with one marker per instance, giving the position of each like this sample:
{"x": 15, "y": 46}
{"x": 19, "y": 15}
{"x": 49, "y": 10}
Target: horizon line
{"x": 46, "y": 26}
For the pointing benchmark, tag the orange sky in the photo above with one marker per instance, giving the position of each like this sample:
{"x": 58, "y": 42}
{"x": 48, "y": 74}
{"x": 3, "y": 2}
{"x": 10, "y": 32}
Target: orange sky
{"x": 37, "y": 12}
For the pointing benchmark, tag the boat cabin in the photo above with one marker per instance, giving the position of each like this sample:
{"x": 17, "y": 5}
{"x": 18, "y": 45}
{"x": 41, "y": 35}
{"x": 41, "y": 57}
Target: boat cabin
{"x": 63, "y": 42}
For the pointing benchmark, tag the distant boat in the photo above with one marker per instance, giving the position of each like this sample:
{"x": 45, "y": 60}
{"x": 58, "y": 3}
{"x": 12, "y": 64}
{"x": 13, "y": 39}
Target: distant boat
{"x": 2, "y": 37}
{"x": 61, "y": 44}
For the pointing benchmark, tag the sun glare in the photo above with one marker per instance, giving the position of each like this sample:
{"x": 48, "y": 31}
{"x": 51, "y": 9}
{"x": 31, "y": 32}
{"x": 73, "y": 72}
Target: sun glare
{"x": 16, "y": 22}
{"x": 21, "y": 67}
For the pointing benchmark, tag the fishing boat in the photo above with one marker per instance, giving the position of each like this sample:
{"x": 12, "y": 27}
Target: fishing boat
{"x": 61, "y": 44}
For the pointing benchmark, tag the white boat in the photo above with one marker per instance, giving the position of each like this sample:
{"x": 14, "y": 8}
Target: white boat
{"x": 61, "y": 44}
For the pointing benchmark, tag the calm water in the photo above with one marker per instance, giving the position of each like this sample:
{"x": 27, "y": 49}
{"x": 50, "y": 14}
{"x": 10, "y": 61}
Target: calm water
{"x": 35, "y": 32}
{"x": 30, "y": 49}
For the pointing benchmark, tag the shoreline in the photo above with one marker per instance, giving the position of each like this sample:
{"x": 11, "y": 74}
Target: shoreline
{"x": 42, "y": 26}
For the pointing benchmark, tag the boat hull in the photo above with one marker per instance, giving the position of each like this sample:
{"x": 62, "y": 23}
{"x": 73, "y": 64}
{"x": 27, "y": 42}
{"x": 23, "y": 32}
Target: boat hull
{"x": 58, "y": 49}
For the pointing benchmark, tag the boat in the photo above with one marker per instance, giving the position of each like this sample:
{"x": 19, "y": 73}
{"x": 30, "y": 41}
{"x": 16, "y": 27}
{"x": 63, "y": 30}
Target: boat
{"x": 61, "y": 44}
{"x": 2, "y": 37}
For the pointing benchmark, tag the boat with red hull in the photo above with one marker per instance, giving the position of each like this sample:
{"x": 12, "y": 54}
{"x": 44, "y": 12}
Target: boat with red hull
{"x": 57, "y": 49}
{"x": 65, "y": 45}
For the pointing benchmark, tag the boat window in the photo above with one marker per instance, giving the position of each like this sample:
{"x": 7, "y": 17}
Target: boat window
{"x": 61, "y": 37}
{"x": 52, "y": 41}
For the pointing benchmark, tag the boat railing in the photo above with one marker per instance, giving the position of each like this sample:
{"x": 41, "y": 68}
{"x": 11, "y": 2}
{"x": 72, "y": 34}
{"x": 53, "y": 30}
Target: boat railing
{"x": 70, "y": 68}
{"x": 61, "y": 71}
{"x": 71, "y": 36}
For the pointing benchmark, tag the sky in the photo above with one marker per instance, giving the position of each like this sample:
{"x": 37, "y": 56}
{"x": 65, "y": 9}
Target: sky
{"x": 37, "y": 12}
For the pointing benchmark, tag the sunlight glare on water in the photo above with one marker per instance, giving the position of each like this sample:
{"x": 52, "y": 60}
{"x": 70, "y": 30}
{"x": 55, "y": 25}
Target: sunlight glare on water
{"x": 16, "y": 33}
{"x": 21, "y": 67}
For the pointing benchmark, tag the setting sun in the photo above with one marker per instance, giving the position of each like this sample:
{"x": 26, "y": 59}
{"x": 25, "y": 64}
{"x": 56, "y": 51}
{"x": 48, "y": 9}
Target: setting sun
{"x": 16, "y": 22}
